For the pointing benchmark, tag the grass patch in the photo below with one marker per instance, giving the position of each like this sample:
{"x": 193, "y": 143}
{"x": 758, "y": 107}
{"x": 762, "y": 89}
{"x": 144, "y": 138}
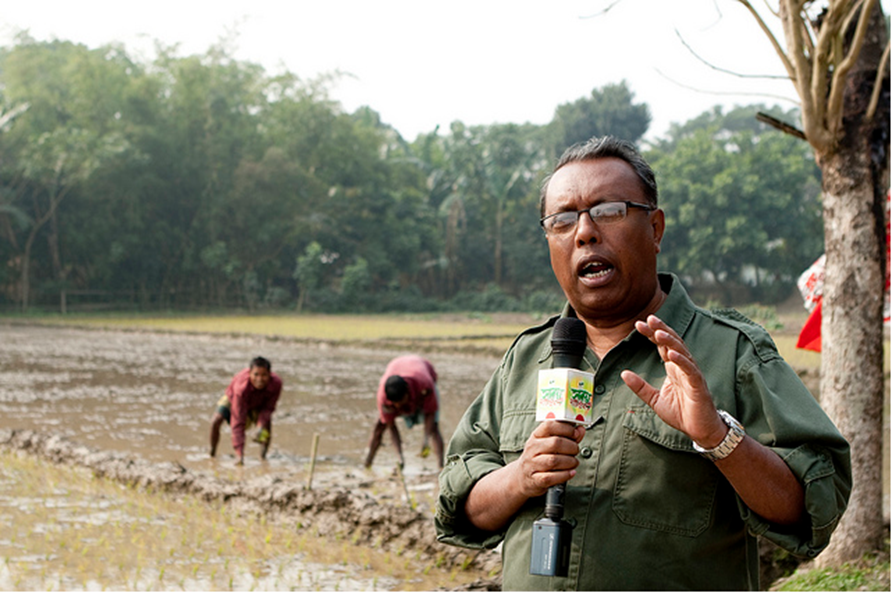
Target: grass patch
{"x": 871, "y": 573}
{"x": 328, "y": 327}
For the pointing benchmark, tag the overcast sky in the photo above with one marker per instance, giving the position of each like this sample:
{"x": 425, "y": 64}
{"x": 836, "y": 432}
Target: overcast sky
{"x": 421, "y": 64}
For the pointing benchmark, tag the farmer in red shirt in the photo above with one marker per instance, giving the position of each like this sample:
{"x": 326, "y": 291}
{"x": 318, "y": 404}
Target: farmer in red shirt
{"x": 408, "y": 388}
{"x": 250, "y": 399}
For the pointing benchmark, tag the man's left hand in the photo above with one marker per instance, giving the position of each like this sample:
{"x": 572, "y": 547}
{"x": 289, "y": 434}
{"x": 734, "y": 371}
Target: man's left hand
{"x": 683, "y": 401}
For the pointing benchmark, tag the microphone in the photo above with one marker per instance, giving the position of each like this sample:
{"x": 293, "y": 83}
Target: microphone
{"x": 565, "y": 393}
{"x": 568, "y": 340}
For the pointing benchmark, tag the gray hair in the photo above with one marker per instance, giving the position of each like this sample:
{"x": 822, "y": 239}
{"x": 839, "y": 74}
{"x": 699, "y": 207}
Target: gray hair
{"x": 601, "y": 148}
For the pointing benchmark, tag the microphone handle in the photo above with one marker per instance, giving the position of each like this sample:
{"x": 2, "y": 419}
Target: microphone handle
{"x": 554, "y": 502}
{"x": 552, "y": 536}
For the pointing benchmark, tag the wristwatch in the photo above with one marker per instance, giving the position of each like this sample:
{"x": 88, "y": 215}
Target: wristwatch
{"x": 729, "y": 443}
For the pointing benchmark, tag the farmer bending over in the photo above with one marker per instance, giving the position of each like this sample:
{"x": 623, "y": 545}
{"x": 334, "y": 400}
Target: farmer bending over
{"x": 408, "y": 388}
{"x": 250, "y": 399}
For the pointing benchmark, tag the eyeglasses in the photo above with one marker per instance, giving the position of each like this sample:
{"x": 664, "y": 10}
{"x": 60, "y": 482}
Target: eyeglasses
{"x": 601, "y": 214}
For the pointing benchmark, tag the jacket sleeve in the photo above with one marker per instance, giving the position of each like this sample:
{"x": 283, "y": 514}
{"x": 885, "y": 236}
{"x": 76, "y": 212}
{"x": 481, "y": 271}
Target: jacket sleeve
{"x": 473, "y": 452}
{"x": 780, "y": 412}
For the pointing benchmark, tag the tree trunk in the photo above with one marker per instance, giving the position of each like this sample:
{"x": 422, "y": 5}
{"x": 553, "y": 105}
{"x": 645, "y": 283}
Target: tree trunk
{"x": 26, "y": 272}
{"x": 497, "y": 263}
{"x": 855, "y": 183}
{"x": 852, "y": 353}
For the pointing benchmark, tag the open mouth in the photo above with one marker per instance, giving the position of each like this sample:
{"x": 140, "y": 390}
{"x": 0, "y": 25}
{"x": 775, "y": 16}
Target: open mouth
{"x": 595, "y": 269}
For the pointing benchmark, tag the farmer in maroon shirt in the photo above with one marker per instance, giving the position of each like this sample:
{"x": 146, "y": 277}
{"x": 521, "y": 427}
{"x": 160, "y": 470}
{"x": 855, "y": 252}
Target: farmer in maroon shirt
{"x": 250, "y": 399}
{"x": 408, "y": 388}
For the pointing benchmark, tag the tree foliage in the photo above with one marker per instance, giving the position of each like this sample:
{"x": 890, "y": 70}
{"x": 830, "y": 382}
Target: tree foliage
{"x": 608, "y": 110}
{"x": 741, "y": 202}
{"x": 203, "y": 181}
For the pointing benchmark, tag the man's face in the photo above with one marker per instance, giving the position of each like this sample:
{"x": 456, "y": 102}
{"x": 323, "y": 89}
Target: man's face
{"x": 259, "y": 378}
{"x": 608, "y": 272}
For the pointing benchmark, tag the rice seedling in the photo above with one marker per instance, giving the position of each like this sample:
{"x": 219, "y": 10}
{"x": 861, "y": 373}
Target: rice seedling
{"x": 151, "y": 540}
{"x": 466, "y": 562}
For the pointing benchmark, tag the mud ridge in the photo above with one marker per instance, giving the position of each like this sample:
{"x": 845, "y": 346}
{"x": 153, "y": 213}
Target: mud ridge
{"x": 342, "y": 512}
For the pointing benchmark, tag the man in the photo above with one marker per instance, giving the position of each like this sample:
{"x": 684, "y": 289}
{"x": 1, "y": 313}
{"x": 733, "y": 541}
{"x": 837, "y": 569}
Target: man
{"x": 408, "y": 388}
{"x": 664, "y": 489}
{"x": 250, "y": 399}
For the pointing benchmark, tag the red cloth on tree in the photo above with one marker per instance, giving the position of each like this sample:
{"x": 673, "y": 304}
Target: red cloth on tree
{"x": 811, "y": 285}
{"x": 810, "y": 336}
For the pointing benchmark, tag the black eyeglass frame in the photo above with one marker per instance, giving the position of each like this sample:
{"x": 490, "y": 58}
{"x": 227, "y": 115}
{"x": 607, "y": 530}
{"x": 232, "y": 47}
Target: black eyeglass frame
{"x": 628, "y": 204}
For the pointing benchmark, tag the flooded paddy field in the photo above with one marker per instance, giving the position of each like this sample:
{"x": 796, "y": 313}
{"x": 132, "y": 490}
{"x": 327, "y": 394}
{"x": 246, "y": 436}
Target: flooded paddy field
{"x": 106, "y": 482}
{"x": 106, "y": 478}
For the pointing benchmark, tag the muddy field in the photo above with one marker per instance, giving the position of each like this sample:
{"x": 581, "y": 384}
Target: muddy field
{"x": 152, "y": 394}
{"x": 132, "y": 408}
{"x": 135, "y": 407}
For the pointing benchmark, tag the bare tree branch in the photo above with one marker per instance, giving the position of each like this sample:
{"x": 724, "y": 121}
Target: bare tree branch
{"x": 821, "y": 60}
{"x": 612, "y": 4}
{"x": 777, "y": 47}
{"x": 728, "y": 93}
{"x": 812, "y": 104}
{"x": 837, "y": 87}
{"x": 781, "y": 125}
{"x": 714, "y": 67}
{"x": 878, "y": 84}
{"x": 809, "y": 34}
{"x": 850, "y": 16}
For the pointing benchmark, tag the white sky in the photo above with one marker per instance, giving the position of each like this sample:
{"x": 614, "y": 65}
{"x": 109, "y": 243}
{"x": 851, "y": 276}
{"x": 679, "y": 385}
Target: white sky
{"x": 421, "y": 64}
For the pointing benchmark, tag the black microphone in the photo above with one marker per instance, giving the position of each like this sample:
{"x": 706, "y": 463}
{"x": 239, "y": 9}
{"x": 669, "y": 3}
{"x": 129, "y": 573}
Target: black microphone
{"x": 550, "y": 553}
{"x": 568, "y": 341}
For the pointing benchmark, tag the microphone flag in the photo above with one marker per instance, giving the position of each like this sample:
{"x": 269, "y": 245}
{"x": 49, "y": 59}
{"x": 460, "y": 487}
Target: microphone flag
{"x": 565, "y": 394}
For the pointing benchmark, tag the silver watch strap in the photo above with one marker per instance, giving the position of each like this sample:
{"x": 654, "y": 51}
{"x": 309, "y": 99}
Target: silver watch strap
{"x": 729, "y": 443}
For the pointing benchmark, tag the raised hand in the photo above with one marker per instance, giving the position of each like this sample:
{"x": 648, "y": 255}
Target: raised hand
{"x": 683, "y": 401}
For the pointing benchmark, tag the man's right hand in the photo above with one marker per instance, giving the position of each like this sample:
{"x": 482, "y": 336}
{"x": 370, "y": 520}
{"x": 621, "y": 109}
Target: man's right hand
{"x": 549, "y": 457}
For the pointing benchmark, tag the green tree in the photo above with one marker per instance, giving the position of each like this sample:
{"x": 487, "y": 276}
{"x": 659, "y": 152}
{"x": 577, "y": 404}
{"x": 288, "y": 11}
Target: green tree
{"x": 509, "y": 155}
{"x": 741, "y": 206}
{"x": 487, "y": 173}
{"x": 222, "y": 270}
{"x": 608, "y": 110}
{"x": 309, "y": 272}
{"x": 67, "y": 134}
{"x": 356, "y": 282}
{"x": 206, "y": 127}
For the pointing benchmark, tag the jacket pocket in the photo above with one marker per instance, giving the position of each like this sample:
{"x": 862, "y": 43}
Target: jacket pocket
{"x": 662, "y": 484}
{"x": 517, "y": 426}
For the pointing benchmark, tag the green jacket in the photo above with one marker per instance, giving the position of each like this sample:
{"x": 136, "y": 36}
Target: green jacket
{"x": 648, "y": 511}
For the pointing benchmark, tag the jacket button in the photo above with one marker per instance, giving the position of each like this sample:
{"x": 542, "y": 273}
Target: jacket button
{"x": 586, "y": 452}
{"x": 599, "y": 389}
